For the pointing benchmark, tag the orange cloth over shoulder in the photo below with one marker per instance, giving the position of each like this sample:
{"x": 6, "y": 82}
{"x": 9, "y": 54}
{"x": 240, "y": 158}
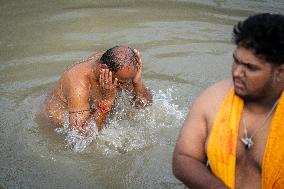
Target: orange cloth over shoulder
{"x": 222, "y": 144}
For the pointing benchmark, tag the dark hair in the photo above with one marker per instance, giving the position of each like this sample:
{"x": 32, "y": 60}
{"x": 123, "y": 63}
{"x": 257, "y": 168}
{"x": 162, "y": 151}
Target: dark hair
{"x": 264, "y": 34}
{"x": 118, "y": 56}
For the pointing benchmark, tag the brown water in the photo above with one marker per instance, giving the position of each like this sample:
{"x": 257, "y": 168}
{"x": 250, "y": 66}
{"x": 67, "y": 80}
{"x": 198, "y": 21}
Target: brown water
{"x": 185, "y": 46}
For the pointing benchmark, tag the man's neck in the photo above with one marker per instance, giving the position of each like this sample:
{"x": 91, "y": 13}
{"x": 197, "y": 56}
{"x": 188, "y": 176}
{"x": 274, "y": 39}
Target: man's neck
{"x": 262, "y": 105}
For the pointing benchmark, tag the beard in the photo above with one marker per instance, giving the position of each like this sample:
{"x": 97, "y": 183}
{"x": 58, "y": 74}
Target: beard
{"x": 257, "y": 95}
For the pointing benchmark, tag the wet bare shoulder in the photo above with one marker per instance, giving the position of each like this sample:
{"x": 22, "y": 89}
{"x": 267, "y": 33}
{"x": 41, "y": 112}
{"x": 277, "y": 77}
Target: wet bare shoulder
{"x": 83, "y": 65}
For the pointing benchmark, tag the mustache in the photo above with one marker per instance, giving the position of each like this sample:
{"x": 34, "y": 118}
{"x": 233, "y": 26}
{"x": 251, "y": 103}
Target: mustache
{"x": 239, "y": 79}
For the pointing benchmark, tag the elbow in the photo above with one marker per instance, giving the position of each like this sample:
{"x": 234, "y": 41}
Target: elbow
{"x": 149, "y": 99}
{"x": 177, "y": 167}
{"x": 181, "y": 167}
{"x": 176, "y": 172}
{"x": 143, "y": 102}
{"x": 148, "y": 102}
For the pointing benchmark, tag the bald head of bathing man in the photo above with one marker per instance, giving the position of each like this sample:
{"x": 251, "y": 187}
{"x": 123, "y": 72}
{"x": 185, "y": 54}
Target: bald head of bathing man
{"x": 87, "y": 91}
{"x": 236, "y": 126}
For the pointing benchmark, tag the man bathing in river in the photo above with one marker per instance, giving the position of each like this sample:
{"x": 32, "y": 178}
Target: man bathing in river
{"x": 86, "y": 92}
{"x": 236, "y": 126}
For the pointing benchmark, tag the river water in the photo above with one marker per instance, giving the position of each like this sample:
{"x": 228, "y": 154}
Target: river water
{"x": 185, "y": 47}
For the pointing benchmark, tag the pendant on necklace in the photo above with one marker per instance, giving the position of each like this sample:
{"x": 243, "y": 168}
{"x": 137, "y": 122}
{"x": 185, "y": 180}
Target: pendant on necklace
{"x": 247, "y": 142}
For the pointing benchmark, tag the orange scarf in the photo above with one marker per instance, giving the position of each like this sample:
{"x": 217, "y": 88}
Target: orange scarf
{"x": 223, "y": 141}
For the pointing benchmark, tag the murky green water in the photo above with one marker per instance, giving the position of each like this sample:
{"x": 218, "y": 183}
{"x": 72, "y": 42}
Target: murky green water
{"x": 185, "y": 46}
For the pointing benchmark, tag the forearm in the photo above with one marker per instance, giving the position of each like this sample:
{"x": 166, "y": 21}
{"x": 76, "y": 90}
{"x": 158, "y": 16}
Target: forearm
{"x": 81, "y": 123}
{"x": 142, "y": 95}
{"x": 100, "y": 118}
{"x": 194, "y": 173}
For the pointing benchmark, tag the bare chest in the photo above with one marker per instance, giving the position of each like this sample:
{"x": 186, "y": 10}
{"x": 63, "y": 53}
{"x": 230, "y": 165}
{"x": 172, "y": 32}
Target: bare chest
{"x": 250, "y": 157}
{"x": 249, "y": 160}
{"x": 251, "y": 142}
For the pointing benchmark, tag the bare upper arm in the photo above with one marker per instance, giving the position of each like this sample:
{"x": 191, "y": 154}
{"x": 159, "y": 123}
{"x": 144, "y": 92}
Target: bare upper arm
{"x": 196, "y": 127}
{"x": 76, "y": 92}
{"x": 193, "y": 133}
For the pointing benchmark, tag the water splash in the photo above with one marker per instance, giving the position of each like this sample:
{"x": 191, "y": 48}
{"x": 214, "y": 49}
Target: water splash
{"x": 128, "y": 128}
{"x": 74, "y": 139}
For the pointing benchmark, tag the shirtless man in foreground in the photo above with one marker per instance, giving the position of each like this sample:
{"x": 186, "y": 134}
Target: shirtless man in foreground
{"x": 238, "y": 125}
{"x": 86, "y": 92}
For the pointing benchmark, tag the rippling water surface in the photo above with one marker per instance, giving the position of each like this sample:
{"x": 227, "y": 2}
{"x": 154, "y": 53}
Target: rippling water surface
{"x": 185, "y": 46}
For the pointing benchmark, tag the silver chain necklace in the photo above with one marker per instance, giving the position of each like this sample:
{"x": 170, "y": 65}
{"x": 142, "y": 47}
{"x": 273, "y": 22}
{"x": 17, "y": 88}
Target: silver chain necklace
{"x": 246, "y": 140}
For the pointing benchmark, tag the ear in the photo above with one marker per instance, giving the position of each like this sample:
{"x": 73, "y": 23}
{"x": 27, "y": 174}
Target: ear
{"x": 280, "y": 73}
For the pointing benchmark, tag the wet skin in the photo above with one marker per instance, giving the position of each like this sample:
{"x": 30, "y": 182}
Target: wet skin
{"x": 87, "y": 91}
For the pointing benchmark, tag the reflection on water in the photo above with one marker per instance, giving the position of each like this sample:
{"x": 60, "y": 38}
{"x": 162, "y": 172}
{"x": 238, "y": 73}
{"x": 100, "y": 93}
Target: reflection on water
{"x": 185, "y": 46}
